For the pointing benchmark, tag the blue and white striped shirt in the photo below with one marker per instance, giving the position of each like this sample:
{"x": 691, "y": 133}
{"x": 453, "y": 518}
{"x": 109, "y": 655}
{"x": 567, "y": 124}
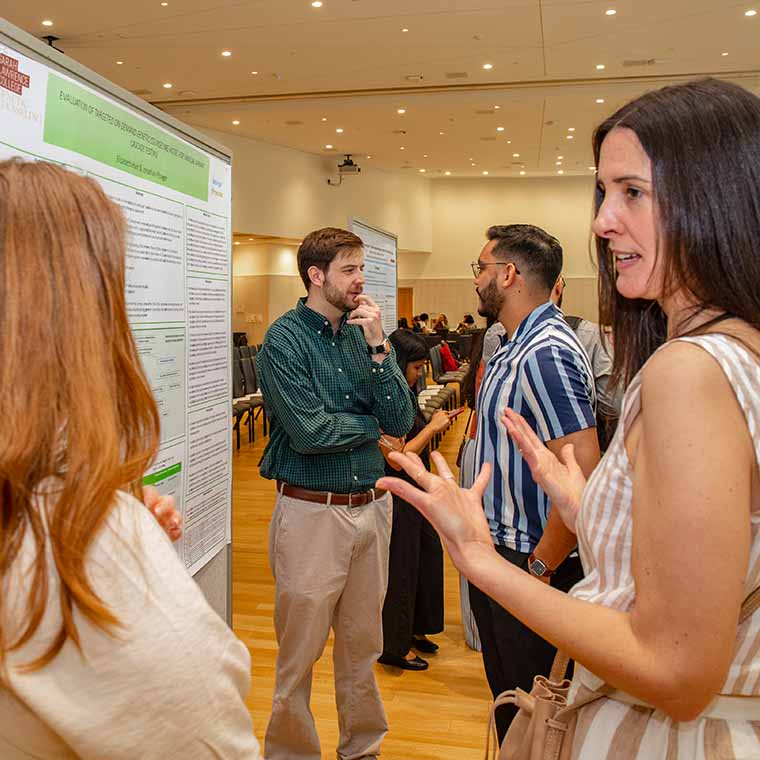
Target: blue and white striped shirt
{"x": 544, "y": 374}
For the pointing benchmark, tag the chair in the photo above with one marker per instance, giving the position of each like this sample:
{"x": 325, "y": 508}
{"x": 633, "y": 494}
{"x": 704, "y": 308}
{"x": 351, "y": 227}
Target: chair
{"x": 252, "y": 393}
{"x": 240, "y": 405}
{"x": 245, "y": 352}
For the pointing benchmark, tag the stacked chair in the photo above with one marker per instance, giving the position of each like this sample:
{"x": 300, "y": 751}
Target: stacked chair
{"x": 247, "y": 401}
{"x": 444, "y": 378}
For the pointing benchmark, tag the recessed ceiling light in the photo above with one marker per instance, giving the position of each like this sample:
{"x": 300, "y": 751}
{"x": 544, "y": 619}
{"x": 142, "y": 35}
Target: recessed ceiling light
{"x": 568, "y": 137}
{"x": 724, "y": 54}
{"x": 558, "y": 163}
{"x": 236, "y": 122}
{"x": 254, "y": 73}
{"x": 522, "y": 173}
{"x": 515, "y": 155}
{"x": 164, "y": 4}
{"x": 600, "y": 67}
{"x": 571, "y": 129}
{"x": 497, "y": 108}
{"x": 167, "y": 85}
{"x": 226, "y": 53}
{"x": 509, "y": 142}
{"x": 404, "y": 29}
{"x": 441, "y": 133}
{"x": 559, "y": 158}
{"x": 328, "y": 147}
{"x": 401, "y": 111}
{"x": 610, "y": 12}
{"x": 369, "y": 156}
{"x": 424, "y": 155}
{"x": 487, "y": 66}
{"x": 237, "y": 242}
{"x": 47, "y": 22}
{"x": 561, "y": 171}
{"x": 750, "y": 13}
{"x": 339, "y": 130}
{"x": 402, "y": 148}
{"x": 422, "y": 171}
{"x": 316, "y": 4}
{"x": 324, "y": 118}
{"x": 600, "y": 100}
{"x": 499, "y": 129}
{"x": 448, "y": 174}
{"x": 473, "y": 164}
{"x": 119, "y": 63}
{"x": 592, "y": 168}
{"x": 485, "y": 173}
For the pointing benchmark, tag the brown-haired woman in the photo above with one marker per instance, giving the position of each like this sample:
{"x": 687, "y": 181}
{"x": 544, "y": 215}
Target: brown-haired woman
{"x": 668, "y": 525}
{"x": 107, "y": 646}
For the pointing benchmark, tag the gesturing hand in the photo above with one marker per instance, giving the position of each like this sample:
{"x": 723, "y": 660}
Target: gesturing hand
{"x": 165, "y": 512}
{"x": 456, "y": 513}
{"x": 563, "y": 481}
{"x": 367, "y": 314}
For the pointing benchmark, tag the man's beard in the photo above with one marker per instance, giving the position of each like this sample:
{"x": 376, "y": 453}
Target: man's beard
{"x": 491, "y": 301}
{"x": 337, "y": 298}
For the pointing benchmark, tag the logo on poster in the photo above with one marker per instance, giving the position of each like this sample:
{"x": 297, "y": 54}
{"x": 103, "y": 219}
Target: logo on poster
{"x": 10, "y": 77}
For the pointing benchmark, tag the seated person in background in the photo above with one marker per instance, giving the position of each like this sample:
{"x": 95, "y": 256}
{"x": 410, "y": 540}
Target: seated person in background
{"x": 467, "y": 323}
{"x": 108, "y": 647}
{"x": 416, "y": 324}
{"x": 403, "y": 324}
{"x": 424, "y": 322}
{"x": 609, "y": 396}
{"x": 441, "y": 323}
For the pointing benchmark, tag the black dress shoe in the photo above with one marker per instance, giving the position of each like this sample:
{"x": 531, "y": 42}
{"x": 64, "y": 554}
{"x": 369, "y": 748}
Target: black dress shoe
{"x": 424, "y": 645}
{"x": 401, "y": 662}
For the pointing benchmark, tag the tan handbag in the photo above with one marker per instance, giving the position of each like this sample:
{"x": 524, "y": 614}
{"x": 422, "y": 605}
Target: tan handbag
{"x": 544, "y": 726}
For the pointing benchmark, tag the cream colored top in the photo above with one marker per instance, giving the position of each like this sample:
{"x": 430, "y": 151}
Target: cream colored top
{"x": 612, "y": 730}
{"x": 169, "y": 684}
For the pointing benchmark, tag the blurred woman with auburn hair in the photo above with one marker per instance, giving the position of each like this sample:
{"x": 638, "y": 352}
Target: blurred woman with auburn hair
{"x": 107, "y": 646}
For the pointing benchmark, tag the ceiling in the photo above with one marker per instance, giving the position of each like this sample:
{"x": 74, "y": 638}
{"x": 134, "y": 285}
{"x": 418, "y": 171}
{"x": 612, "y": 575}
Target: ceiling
{"x": 349, "y": 65}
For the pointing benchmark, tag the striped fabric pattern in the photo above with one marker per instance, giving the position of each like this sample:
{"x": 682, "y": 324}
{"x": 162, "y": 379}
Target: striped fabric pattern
{"x": 610, "y": 729}
{"x": 543, "y": 373}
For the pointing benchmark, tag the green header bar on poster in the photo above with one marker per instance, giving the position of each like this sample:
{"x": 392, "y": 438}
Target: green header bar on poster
{"x": 79, "y": 120}
{"x": 157, "y": 477}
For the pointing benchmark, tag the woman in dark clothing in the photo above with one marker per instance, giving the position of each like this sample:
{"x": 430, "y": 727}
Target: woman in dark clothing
{"x": 414, "y": 602}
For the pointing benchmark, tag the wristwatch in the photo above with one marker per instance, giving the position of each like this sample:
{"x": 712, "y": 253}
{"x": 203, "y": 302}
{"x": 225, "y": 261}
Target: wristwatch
{"x": 383, "y": 348}
{"x": 538, "y": 568}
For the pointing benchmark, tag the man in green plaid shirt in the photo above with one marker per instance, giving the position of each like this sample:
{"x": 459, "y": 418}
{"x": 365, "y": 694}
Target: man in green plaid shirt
{"x": 331, "y": 385}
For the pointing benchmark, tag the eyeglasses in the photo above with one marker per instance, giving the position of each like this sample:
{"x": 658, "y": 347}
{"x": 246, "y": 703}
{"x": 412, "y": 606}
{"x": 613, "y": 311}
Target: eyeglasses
{"x": 479, "y": 266}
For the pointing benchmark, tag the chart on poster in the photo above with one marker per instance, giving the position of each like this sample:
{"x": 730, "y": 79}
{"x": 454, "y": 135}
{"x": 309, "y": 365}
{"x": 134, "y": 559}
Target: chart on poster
{"x": 380, "y": 269}
{"x": 175, "y": 193}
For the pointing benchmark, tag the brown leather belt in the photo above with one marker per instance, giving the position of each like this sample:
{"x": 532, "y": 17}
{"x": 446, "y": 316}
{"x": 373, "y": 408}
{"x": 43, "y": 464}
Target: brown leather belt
{"x": 358, "y": 499}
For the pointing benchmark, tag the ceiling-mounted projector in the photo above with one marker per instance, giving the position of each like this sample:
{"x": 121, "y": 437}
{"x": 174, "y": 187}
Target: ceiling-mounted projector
{"x": 348, "y": 166}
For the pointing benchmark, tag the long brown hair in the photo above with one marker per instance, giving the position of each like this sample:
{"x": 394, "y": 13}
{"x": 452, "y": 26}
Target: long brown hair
{"x": 78, "y": 418}
{"x": 702, "y": 140}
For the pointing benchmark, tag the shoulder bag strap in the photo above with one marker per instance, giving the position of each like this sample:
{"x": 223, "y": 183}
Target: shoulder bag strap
{"x": 750, "y": 605}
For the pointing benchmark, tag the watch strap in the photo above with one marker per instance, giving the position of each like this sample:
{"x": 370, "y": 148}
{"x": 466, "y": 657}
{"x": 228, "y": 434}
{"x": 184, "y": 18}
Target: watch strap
{"x": 541, "y": 570}
{"x": 383, "y": 348}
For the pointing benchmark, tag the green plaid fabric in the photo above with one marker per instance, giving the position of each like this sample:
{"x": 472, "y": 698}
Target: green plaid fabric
{"x": 327, "y": 402}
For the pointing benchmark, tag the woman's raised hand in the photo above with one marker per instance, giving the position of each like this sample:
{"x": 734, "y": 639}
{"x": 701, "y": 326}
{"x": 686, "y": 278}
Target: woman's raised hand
{"x": 456, "y": 513}
{"x": 563, "y": 481}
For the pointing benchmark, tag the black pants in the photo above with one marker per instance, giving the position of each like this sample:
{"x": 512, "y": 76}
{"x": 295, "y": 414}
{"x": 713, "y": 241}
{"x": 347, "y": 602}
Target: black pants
{"x": 414, "y": 601}
{"x": 512, "y": 653}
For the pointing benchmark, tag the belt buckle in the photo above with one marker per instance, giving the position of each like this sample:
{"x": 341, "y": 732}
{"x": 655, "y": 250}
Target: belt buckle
{"x": 351, "y": 499}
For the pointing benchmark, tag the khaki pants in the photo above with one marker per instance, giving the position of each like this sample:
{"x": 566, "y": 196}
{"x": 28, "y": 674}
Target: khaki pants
{"x": 330, "y": 565}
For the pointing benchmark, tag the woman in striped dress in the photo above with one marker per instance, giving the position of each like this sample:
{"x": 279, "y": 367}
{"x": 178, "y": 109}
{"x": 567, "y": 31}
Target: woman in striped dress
{"x": 669, "y": 523}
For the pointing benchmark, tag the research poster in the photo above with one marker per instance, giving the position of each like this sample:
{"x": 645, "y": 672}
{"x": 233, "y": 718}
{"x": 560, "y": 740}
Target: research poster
{"x": 380, "y": 269}
{"x": 176, "y": 199}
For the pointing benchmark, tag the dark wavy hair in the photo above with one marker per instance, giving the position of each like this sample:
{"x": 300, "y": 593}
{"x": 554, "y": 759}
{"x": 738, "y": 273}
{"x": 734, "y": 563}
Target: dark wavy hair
{"x": 703, "y": 139}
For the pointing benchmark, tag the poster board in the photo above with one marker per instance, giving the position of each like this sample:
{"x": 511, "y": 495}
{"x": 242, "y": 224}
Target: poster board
{"x": 174, "y": 187}
{"x": 380, "y": 269}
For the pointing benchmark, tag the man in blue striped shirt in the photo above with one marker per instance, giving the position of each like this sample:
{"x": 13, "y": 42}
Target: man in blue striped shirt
{"x": 541, "y": 371}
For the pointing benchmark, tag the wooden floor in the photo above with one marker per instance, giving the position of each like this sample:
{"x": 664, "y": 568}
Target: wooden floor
{"x": 440, "y": 713}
